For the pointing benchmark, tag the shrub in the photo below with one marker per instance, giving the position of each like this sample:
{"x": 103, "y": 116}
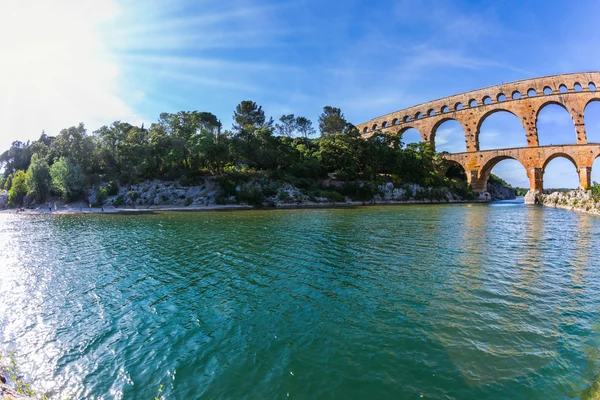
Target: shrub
{"x": 252, "y": 196}
{"x": 119, "y": 201}
{"x": 101, "y": 195}
{"x": 189, "y": 201}
{"x": 134, "y": 195}
{"x": 284, "y": 196}
{"x": 112, "y": 188}
{"x": 18, "y": 188}
{"x": 221, "y": 200}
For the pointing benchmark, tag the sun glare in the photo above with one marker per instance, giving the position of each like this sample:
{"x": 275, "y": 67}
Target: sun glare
{"x": 57, "y": 62}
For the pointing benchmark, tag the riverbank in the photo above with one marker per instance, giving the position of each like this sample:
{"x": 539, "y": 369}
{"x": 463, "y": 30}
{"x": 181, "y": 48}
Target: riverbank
{"x": 575, "y": 200}
{"x": 74, "y": 209}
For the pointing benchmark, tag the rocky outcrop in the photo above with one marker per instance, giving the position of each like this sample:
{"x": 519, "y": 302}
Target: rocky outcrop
{"x": 577, "y": 200}
{"x": 499, "y": 192}
{"x": 3, "y": 199}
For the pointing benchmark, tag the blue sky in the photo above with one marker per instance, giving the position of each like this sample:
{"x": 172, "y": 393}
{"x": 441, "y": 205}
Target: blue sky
{"x": 100, "y": 61}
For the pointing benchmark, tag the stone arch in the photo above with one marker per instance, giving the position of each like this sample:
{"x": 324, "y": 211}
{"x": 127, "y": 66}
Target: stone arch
{"x": 488, "y": 166}
{"x": 403, "y": 130}
{"x": 577, "y": 87}
{"x": 485, "y": 116}
{"x": 558, "y": 155}
{"x": 374, "y": 127}
{"x": 431, "y": 112}
{"x": 406, "y": 118}
{"x": 473, "y": 103}
{"x": 444, "y": 109}
{"x": 486, "y": 100}
{"x": 592, "y": 86}
{"x": 447, "y": 165}
{"x": 458, "y": 106}
{"x": 546, "y": 139}
{"x": 531, "y": 92}
{"x": 365, "y": 129}
{"x": 384, "y": 124}
{"x": 516, "y": 95}
{"x": 547, "y": 90}
{"x": 591, "y": 117}
{"x": 501, "y": 97}
{"x": 418, "y": 115}
{"x": 553, "y": 157}
{"x": 442, "y": 121}
{"x": 563, "y": 88}
{"x": 395, "y": 121}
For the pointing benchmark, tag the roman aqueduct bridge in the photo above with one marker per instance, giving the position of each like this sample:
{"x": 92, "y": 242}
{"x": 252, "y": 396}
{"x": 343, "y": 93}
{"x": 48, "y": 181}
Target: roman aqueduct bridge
{"x": 524, "y": 99}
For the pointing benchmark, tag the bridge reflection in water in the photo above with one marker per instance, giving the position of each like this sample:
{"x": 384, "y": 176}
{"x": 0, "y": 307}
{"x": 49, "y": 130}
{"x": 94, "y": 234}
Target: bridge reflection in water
{"x": 524, "y": 99}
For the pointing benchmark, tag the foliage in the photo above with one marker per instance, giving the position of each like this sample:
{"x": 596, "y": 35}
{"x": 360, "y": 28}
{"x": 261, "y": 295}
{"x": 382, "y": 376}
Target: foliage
{"x": 18, "y": 189}
{"x": 38, "y": 178}
{"x": 101, "y": 195}
{"x": 595, "y": 189}
{"x": 189, "y": 145}
{"x": 112, "y": 188}
{"x": 67, "y": 179}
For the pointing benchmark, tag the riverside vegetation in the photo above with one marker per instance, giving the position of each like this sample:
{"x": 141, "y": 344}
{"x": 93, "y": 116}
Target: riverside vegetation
{"x": 257, "y": 162}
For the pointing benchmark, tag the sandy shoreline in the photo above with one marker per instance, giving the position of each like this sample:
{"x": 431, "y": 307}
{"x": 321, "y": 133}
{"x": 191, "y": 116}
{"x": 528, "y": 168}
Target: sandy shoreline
{"x": 74, "y": 209}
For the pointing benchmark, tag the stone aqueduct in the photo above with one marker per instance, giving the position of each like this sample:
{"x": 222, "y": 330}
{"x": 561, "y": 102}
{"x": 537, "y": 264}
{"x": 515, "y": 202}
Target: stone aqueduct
{"x": 524, "y": 99}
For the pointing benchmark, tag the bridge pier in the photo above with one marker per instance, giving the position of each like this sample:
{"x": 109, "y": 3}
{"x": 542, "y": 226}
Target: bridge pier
{"x": 536, "y": 185}
{"x": 585, "y": 177}
{"x": 478, "y": 184}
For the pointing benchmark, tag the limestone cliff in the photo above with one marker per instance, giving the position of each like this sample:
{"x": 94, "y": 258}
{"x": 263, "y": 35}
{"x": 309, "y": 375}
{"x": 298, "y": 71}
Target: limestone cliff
{"x": 500, "y": 192}
{"x": 577, "y": 200}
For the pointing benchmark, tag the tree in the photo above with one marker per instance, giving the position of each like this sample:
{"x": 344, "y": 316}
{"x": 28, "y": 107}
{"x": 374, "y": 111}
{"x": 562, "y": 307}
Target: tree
{"x": 67, "y": 178}
{"x": 38, "y": 178}
{"x": 305, "y": 127}
{"x": 248, "y": 115}
{"x": 18, "y": 189}
{"x": 333, "y": 121}
{"x": 287, "y": 126}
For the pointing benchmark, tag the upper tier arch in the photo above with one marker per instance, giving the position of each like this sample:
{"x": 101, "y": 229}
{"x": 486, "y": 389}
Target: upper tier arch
{"x": 580, "y": 90}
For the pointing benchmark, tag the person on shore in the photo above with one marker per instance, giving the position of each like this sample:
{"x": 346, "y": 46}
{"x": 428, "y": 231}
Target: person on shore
{"x": 80, "y": 206}
{"x": 49, "y": 207}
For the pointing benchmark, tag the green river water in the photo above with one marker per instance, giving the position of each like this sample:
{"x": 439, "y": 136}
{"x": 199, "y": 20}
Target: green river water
{"x": 497, "y": 301}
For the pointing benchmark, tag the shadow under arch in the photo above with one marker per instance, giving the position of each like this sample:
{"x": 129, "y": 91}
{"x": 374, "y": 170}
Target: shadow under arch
{"x": 561, "y": 176}
{"x": 448, "y": 135}
{"x": 452, "y": 169}
{"x": 591, "y": 119}
{"x": 555, "y": 124}
{"x": 486, "y": 170}
{"x": 410, "y": 134}
{"x": 498, "y": 129}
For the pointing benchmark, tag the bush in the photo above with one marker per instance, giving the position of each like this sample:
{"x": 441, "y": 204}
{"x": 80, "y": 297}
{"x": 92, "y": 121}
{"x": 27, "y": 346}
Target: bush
{"x": 112, "y": 188}
{"x": 134, "y": 195}
{"x": 284, "y": 196}
{"x": 101, "y": 195}
{"x": 119, "y": 201}
{"x": 335, "y": 197}
{"x": 252, "y": 196}
{"x": 221, "y": 200}
{"x": 18, "y": 188}
{"x": 189, "y": 201}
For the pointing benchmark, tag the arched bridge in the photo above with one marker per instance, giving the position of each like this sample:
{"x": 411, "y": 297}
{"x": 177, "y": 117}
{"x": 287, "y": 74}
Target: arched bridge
{"x": 524, "y": 99}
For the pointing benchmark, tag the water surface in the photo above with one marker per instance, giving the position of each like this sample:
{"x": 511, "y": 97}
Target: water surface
{"x": 444, "y": 302}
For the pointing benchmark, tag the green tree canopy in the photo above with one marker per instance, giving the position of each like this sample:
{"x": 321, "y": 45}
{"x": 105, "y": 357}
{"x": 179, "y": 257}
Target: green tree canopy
{"x": 38, "y": 178}
{"x": 67, "y": 179}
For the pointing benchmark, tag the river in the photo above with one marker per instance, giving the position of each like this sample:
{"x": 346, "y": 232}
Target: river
{"x": 498, "y": 301}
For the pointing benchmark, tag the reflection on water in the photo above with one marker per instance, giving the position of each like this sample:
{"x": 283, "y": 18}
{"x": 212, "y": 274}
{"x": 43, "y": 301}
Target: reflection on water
{"x": 458, "y": 302}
